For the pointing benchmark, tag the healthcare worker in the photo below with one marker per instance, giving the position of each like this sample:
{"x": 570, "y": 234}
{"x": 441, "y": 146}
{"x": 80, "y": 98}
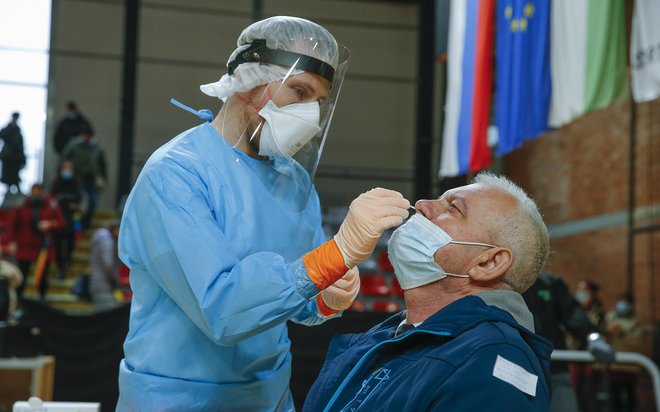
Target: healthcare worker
{"x": 222, "y": 233}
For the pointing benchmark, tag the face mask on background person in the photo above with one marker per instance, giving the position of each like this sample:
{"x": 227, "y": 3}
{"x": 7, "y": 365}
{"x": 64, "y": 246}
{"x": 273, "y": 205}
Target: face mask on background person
{"x": 411, "y": 249}
{"x": 287, "y": 128}
{"x": 582, "y": 296}
{"x": 66, "y": 174}
{"x": 623, "y": 308}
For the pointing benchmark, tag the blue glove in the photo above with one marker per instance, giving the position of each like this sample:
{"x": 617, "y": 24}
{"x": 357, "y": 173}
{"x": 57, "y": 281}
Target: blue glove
{"x": 598, "y": 347}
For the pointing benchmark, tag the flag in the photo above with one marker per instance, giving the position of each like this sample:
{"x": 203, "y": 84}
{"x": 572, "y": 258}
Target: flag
{"x": 645, "y": 51}
{"x": 40, "y": 264}
{"x": 76, "y": 222}
{"x": 588, "y": 59}
{"x": 469, "y": 80}
{"x": 522, "y": 64}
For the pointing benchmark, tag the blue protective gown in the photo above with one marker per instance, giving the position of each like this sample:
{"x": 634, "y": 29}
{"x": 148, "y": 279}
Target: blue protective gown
{"x": 216, "y": 273}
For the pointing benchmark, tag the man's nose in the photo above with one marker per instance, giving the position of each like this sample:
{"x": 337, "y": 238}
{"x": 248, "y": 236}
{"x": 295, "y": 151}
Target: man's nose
{"x": 427, "y": 208}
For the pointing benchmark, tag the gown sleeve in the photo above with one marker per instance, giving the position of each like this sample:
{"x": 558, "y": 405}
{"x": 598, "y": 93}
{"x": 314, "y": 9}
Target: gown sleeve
{"x": 169, "y": 229}
{"x": 310, "y": 315}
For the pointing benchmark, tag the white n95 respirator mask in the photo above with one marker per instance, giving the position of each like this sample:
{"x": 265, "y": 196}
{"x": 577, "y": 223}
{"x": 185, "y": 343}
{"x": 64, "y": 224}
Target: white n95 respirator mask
{"x": 287, "y": 129}
{"x": 411, "y": 249}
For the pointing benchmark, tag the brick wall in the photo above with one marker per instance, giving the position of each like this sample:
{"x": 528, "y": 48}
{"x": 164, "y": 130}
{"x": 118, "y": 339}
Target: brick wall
{"x": 579, "y": 176}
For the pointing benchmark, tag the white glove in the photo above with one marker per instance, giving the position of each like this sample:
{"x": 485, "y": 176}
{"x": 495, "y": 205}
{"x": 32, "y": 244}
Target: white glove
{"x": 340, "y": 295}
{"x": 368, "y": 217}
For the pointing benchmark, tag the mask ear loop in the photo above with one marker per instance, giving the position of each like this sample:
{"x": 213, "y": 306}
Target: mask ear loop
{"x": 252, "y": 105}
{"x": 258, "y": 109}
{"x": 457, "y": 242}
{"x": 222, "y": 129}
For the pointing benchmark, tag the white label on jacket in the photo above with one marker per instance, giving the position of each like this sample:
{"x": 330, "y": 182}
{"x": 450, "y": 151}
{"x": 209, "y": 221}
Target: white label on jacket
{"x": 516, "y": 375}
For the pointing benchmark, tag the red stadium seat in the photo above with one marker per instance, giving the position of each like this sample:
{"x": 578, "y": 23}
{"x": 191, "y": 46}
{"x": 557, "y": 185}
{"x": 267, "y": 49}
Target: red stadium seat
{"x": 384, "y": 262}
{"x": 124, "y": 282}
{"x": 374, "y": 285}
{"x": 396, "y": 287}
{"x": 385, "y": 306}
{"x": 358, "y": 306}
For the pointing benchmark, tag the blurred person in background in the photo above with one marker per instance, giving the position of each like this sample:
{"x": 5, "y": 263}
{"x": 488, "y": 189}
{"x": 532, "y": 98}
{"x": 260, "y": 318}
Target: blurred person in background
{"x": 555, "y": 313}
{"x": 89, "y": 165}
{"x": 67, "y": 190}
{"x": 587, "y": 293}
{"x": 624, "y": 331}
{"x": 30, "y": 233}
{"x": 222, "y": 232}
{"x": 10, "y": 279}
{"x": 70, "y": 126}
{"x": 590, "y": 379}
{"x": 104, "y": 264}
{"x": 12, "y": 154}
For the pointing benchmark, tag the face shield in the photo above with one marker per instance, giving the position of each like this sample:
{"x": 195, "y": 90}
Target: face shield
{"x": 280, "y": 96}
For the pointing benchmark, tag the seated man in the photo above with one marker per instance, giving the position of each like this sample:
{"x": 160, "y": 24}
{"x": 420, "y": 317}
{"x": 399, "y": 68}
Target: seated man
{"x": 466, "y": 342}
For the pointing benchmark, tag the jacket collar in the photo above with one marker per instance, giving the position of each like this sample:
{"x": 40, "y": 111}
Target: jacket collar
{"x": 512, "y": 303}
{"x": 469, "y": 311}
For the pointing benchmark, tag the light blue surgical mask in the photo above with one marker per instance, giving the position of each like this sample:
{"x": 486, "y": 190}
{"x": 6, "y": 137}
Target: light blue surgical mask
{"x": 411, "y": 249}
{"x": 66, "y": 174}
{"x": 582, "y": 296}
{"x": 623, "y": 309}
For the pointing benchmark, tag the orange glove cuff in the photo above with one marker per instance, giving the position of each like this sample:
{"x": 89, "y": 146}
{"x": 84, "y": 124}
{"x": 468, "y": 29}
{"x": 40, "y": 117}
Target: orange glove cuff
{"x": 325, "y": 264}
{"x": 323, "y": 308}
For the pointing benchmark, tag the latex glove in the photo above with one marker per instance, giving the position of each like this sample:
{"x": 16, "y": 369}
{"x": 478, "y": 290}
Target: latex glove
{"x": 598, "y": 347}
{"x": 368, "y": 217}
{"x": 340, "y": 295}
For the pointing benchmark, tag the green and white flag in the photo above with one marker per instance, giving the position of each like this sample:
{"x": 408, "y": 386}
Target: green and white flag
{"x": 587, "y": 57}
{"x": 645, "y": 51}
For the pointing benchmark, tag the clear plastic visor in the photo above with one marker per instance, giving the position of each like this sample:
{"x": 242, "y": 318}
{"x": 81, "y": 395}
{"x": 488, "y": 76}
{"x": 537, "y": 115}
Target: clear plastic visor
{"x": 284, "y": 123}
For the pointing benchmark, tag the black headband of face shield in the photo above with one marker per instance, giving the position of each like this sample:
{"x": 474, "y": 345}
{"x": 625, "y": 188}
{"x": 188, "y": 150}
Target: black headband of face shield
{"x": 258, "y": 52}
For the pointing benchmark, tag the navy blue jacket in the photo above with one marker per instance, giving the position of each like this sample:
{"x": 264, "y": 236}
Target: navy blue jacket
{"x": 445, "y": 364}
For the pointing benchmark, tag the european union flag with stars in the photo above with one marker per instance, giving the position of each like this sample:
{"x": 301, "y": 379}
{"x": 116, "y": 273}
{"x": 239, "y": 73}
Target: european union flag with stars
{"x": 523, "y": 85}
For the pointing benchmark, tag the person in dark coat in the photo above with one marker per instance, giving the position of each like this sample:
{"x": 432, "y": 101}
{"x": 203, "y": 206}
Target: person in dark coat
{"x": 67, "y": 189}
{"x": 88, "y": 160}
{"x": 12, "y": 154}
{"x": 73, "y": 124}
{"x": 555, "y": 311}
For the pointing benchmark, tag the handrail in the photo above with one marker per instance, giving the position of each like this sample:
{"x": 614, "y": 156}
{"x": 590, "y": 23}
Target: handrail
{"x": 619, "y": 357}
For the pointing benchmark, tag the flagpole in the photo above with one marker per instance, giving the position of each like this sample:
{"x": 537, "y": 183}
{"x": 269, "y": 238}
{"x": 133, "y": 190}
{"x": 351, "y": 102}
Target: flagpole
{"x": 632, "y": 143}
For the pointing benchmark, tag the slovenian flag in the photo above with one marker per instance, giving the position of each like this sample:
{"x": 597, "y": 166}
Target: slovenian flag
{"x": 588, "y": 56}
{"x": 469, "y": 84}
{"x": 523, "y": 83}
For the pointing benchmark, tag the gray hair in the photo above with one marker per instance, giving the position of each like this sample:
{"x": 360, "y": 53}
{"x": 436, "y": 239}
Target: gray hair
{"x": 523, "y": 231}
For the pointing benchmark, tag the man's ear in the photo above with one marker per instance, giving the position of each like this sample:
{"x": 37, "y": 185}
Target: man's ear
{"x": 491, "y": 265}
